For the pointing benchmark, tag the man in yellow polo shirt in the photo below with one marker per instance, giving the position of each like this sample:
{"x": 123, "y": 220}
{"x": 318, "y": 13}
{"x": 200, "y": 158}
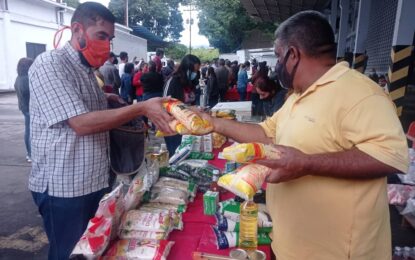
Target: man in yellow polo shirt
{"x": 340, "y": 137}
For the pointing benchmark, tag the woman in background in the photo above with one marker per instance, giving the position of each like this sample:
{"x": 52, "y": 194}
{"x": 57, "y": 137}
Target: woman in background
{"x": 271, "y": 94}
{"x": 181, "y": 86}
{"x": 213, "y": 88}
{"x": 137, "y": 82}
{"x": 21, "y": 86}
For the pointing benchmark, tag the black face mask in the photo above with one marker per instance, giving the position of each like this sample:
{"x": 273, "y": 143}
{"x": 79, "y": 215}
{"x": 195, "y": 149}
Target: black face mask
{"x": 285, "y": 79}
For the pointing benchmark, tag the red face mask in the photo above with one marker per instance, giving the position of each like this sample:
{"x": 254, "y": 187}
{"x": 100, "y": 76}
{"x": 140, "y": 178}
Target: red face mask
{"x": 96, "y": 52}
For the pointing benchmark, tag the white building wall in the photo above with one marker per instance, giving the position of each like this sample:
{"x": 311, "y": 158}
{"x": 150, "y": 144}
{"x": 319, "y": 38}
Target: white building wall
{"x": 133, "y": 45}
{"x": 36, "y": 21}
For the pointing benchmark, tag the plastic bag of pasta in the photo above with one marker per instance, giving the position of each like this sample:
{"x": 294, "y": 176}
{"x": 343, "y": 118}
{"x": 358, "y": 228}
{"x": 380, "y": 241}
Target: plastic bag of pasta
{"x": 218, "y": 140}
{"x": 186, "y": 186}
{"x": 249, "y": 152}
{"x": 143, "y": 235}
{"x": 245, "y": 181}
{"x": 175, "y": 126}
{"x": 146, "y": 221}
{"x": 133, "y": 249}
{"x": 188, "y": 118}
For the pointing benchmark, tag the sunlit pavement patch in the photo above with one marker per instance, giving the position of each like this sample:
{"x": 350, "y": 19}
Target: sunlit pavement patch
{"x": 28, "y": 239}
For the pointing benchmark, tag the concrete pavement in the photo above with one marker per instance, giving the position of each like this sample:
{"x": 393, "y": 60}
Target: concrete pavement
{"x": 21, "y": 231}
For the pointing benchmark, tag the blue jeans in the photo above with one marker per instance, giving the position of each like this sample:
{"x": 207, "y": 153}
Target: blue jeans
{"x": 65, "y": 219}
{"x": 139, "y": 98}
{"x": 242, "y": 94}
{"x": 27, "y": 133}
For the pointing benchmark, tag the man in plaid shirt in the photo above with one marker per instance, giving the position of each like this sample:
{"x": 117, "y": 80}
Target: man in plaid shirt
{"x": 69, "y": 128}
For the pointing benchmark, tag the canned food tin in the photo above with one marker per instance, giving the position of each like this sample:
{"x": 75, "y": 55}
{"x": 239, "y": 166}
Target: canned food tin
{"x": 238, "y": 254}
{"x": 256, "y": 255}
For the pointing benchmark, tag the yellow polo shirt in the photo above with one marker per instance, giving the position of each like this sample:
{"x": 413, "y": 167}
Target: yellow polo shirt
{"x": 331, "y": 218}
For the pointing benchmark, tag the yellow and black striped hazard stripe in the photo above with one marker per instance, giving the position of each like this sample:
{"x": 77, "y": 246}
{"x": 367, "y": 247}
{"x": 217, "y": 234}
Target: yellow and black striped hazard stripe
{"x": 359, "y": 61}
{"x": 399, "y": 73}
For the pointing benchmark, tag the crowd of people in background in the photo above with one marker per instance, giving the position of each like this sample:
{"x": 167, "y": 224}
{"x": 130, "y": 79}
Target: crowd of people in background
{"x": 191, "y": 81}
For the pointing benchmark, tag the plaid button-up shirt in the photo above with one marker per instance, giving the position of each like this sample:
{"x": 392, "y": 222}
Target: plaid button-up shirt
{"x": 64, "y": 164}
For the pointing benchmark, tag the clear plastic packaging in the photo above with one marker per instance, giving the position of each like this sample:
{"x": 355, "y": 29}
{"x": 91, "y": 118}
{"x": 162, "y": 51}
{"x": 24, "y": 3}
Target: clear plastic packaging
{"x": 134, "y": 249}
{"x": 245, "y": 181}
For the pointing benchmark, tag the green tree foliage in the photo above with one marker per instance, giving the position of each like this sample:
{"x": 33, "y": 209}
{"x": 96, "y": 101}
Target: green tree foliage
{"x": 176, "y": 51}
{"x": 72, "y": 3}
{"x": 206, "y": 54}
{"x": 226, "y": 23}
{"x": 163, "y": 18}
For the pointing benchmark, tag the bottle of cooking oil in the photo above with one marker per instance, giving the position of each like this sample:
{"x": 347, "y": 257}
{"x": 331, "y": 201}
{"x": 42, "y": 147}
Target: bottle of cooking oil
{"x": 163, "y": 156}
{"x": 248, "y": 229}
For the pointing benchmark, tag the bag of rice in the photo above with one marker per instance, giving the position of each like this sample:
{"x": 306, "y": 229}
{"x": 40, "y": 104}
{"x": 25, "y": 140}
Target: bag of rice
{"x": 112, "y": 206}
{"x": 94, "y": 240}
{"x": 245, "y": 181}
{"x": 226, "y": 240}
{"x": 249, "y": 152}
{"x": 136, "y": 190}
{"x": 187, "y": 117}
{"x": 133, "y": 249}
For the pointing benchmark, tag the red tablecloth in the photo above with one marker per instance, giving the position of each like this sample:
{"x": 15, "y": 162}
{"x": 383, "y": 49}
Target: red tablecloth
{"x": 197, "y": 234}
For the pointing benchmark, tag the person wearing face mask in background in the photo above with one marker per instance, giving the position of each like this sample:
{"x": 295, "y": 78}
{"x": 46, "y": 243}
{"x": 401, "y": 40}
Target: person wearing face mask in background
{"x": 272, "y": 95}
{"x": 328, "y": 189}
{"x": 181, "y": 85}
{"x": 69, "y": 128}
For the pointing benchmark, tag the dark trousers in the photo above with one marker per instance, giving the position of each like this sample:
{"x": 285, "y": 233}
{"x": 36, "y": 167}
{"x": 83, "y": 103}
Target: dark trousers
{"x": 172, "y": 142}
{"x": 222, "y": 93}
{"x": 242, "y": 95}
{"x": 65, "y": 219}
{"x": 213, "y": 100}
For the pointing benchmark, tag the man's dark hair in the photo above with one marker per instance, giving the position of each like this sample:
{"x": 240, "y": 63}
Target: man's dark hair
{"x": 247, "y": 63}
{"x": 159, "y": 52}
{"x": 228, "y": 63}
{"x": 152, "y": 66}
{"x": 309, "y": 31}
{"x": 123, "y": 55}
{"x": 23, "y": 66}
{"x": 129, "y": 68}
{"x": 112, "y": 55}
{"x": 88, "y": 13}
{"x": 222, "y": 62}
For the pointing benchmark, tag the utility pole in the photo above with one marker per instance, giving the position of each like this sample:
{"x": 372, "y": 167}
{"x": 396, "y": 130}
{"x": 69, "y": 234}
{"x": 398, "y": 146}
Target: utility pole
{"x": 190, "y": 27}
{"x": 126, "y": 13}
{"x": 190, "y": 22}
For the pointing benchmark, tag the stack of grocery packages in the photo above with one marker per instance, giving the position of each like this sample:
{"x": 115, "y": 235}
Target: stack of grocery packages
{"x": 238, "y": 221}
{"x": 134, "y": 221}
